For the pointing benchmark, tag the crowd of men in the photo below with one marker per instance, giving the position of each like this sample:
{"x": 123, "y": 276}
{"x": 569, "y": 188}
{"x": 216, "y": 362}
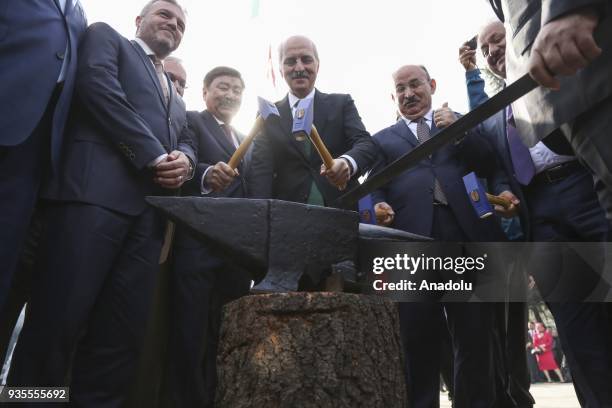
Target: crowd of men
{"x": 93, "y": 122}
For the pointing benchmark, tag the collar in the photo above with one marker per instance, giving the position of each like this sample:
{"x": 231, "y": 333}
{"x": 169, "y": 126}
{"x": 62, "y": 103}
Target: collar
{"x": 293, "y": 99}
{"x": 428, "y": 118}
{"x": 145, "y": 47}
{"x": 219, "y": 121}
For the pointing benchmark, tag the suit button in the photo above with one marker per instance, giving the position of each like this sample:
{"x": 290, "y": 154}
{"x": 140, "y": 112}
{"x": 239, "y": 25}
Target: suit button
{"x": 59, "y": 55}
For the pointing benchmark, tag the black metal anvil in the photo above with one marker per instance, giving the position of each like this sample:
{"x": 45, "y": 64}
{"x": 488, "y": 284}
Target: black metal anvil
{"x": 281, "y": 243}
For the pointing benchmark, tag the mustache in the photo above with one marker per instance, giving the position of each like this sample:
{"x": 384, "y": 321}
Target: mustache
{"x": 409, "y": 100}
{"x": 228, "y": 103}
{"x": 299, "y": 74}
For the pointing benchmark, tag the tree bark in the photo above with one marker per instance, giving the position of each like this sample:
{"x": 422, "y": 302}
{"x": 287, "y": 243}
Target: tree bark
{"x": 316, "y": 349}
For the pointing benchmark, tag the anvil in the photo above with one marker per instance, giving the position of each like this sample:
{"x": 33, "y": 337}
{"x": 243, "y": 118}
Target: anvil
{"x": 283, "y": 244}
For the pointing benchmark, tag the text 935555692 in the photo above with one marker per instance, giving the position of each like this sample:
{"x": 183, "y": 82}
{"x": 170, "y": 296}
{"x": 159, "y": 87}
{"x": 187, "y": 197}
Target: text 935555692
{"x": 34, "y": 394}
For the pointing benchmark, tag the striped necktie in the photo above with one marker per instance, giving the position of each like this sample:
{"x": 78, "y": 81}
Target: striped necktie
{"x": 423, "y": 135}
{"x": 161, "y": 77}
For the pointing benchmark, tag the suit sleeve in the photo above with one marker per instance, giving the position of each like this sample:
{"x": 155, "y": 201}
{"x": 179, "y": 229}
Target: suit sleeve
{"x": 475, "y": 88}
{"x": 492, "y": 170}
{"x": 478, "y": 154}
{"x": 553, "y": 9}
{"x": 260, "y": 174}
{"x": 379, "y": 195}
{"x": 102, "y": 94}
{"x": 363, "y": 150}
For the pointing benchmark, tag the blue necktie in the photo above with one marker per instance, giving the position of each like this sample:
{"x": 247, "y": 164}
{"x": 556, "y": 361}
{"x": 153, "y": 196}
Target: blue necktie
{"x": 524, "y": 169}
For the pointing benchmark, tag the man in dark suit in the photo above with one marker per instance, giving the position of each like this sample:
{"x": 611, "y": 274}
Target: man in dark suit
{"x": 34, "y": 103}
{"x": 556, "y": 200}
{"x": 535, "y": 179}
{"x": 202, "y": 281}
{"x": 101, "y": 250}
{"x": 290, "y": 169}
{"x": 571, "y": 40}
{"x": 430, "y": 199}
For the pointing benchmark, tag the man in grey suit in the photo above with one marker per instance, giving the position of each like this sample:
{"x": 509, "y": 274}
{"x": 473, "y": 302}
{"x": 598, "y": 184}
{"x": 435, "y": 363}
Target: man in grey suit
{"x": 567, "y": 47}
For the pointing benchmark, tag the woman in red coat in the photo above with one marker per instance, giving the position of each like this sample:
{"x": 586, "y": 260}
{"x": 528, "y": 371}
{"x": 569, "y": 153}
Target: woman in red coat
{"x": 543, "y": 349}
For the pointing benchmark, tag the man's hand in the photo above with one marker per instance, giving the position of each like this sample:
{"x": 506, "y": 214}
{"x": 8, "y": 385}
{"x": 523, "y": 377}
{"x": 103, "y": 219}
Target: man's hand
{"x": 467, "y": 57}
{"x": 172, "y": 172}
{"x": 563, "y": 46}
{"x": 444, "y": 116}
{"x": 384, "y": 214}
{"x": 510, "y": 211}
{"x": 339, "y": 174}
{"x": 220, "y": 176}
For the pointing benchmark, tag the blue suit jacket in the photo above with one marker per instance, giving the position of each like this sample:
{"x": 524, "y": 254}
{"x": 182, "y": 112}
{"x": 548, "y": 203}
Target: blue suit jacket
{"x": 33, "y": 40}
{"x": 411, "y": 193}
{"x": 212, "y": 146}
{"x": 119, "y": 124}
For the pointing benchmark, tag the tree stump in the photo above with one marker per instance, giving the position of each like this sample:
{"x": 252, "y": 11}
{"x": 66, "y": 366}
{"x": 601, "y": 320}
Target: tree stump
{"x": 318, "y": 349}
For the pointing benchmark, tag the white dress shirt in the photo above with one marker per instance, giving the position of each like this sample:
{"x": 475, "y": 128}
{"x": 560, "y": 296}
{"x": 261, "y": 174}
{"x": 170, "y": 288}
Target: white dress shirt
{"x": 412, "y": 124}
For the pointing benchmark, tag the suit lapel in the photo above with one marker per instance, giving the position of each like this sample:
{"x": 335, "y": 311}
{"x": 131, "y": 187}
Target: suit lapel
{"x": 215, "y": 130}
{"x": 151, "y": 70}
{"x": 403, "y": 131}
{"x": 59, "y": 6}
{"x": 286, "y": 120}
{"x": 321, "y": 109}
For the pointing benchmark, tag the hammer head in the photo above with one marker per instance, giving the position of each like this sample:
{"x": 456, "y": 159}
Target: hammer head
{"x": 304, "y": 115}
{"x": 477, "y": 195}
{"x": 266, "y": 108}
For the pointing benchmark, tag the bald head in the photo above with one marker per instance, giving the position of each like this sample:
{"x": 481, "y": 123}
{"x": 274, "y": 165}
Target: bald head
{"x": 413, "y": 90}
{"x": 299, "y": 64}
{"x": 492, "y": 42}
{"x": 296, "y": 40}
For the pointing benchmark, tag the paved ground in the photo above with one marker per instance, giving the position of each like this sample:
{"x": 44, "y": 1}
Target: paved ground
{"x": 553, "y": 395}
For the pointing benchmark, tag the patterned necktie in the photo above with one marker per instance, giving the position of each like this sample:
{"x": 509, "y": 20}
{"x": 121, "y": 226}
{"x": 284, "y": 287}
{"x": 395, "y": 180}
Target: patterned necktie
{"x": 314, "y": 195}
{"x": 423, "y": 135}
{"x": 159, "y": 70}
{"x": 228, "y": 133}
{"x": 524, "y": 169}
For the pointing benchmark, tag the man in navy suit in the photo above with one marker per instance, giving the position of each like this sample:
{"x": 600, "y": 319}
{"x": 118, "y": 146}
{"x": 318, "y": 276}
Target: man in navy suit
{"x": 101, "y": 250}
{"x": 289, "y": 169}
{"x": 38, "y": 59}
{"x": 430, "y": 199}
{"x": 557, "y": 202}
{"x": 202, "y": 281}
{"x": 566, "y": 45}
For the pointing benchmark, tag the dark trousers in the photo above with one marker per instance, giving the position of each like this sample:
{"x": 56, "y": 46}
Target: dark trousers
{"x": 201, "y": 284}
{"x": 590, "y": 135}
{"x": 22, "y": 168}
{"x": 90, "y": 302}
{"x": 568, "y": 210}
{"x": 472, "y": 330}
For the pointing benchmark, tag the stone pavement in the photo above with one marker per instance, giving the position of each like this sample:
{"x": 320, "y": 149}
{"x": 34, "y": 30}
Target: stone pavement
{"x": 555, "y": 395}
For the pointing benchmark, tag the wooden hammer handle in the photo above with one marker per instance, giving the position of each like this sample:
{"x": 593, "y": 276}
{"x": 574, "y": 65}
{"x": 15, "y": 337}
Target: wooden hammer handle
{"x": 234, "y": 161}
{"x": 327, "y": 158}
{"x": 504, "y": 202}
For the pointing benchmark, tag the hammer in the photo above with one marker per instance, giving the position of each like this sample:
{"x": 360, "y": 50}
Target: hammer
{"x": 477, "y": 193}
{"x": 266, "y": 108}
